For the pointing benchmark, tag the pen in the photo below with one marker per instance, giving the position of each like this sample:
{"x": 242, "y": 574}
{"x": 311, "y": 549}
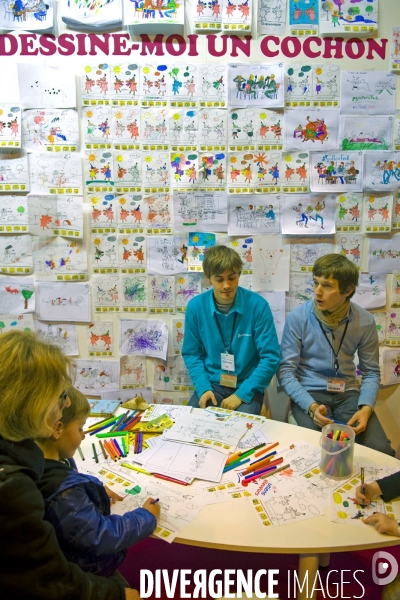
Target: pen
{"x": 95, "y": 453}
{"x": 274, "y": 472}
{"x": 103, "y": 450}
{"x": 137, "y": 469}
{"x": 264, "y": 450}
{"x": 158, "y": 476}
{"x": 362, "y": 484}
{"x": 238, "y": 463}
{"x": 338, "y": 422}
{"x": 155, "y": 500}
{"x": 81, "y": 453}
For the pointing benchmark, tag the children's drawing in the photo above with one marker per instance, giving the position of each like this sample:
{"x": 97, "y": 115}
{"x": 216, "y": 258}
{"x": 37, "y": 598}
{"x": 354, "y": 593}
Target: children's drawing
{"x": 343, "y": 17}
{"x": 134, "y": 293}
{"x": 308, "y": 214}
{"x": 63, "y": 302}
{"x": 125, "y": 125}
{"x": 344, "y": 507}
{"x": 55, "y": 173}
{"x": 300, "y": 503}
{"x": 395, "y": 49}
{"x": 351, "y": 246}
{"x": 392, "y": 334}
{"x": 249, "y": 126}
{"x": 276, "y": 301}
{"x": 161, "y": 294}
{"x": 86, "y": 16}
{"x": 172, "y": 375}
{"x": 14, "y": 214}
{"x": 237, "y": 15}
{"x": 339, "y": 169}
{"x": 99, "y": 171}
{"x": 104, "y": 251}
{"x": 132, "y": 251}
{"x": 14, "y": 173}
{"x": 130, "y": 213}
{"x": 244, "y": 247}
{"x": 127, "y": 166}
{"x": 299, "y": 90}
{"x": 367, "y": 93}
{"x": 255, "y": 85}
{"x": 178, "y": 329}
{"x": 50, "y": 129}
{"x": 377, "y": 213}
{"x": 58, "y": 258}
{"x": 185, "y": 169}
{"x": 348, "y": 216}
{"x": 366, "y": 133}
{"x": 95, "y": 83}
{"x": 371, "y": 291}
{"x": 301, "y": 289}
{"x": 154, "y": 125}
{"x": 187, "y": 286}
{"x": 16, "y": 296}
{"x": 29, "y": 15}
{"x": 270, "y": 264}
{"x": 395, "y": 290}
{"x": 380, "y": 322}
{"x": 46, "y": 86}
{"x": 132, "y": 371}
{"x": 391, "y": 366}
{"x": 384, "y": 254}
{"x": 16, "y": 254}
{"x": 304, "y": 252}
{"x": 272, "y": 17}
{"x": 207, "y": 15}
{"x": 148, "y": 338}
{"x": 102, "y": 212}
{"x": 96, "y": 376}
{"x": 106, "y": 293}
{"x": 156, "y": 168}
{"x": 212, "y": 126}
{"x": 124, "y": 81}
{"x": 63, "y": 335}
{"x": 157, "y": 213}
{"x": 212, "y": 169}
{"x": 96, "y": 123}
{"x": 167, "y": 255}
{"x": 396, "y": 130}
{"x": 254, "y": 214}
{"x": 303, "y": 17}
{"x": 207, "y": 210}
{"x": 100, "y": 338}
{"x": 295, "y": 172}
{"x": 212, "y": 79}
{"x": 182, "y": 83}
{"x": 183, "y": 125}
{"x": 325, "y": 85}
{"x": 382, "y": 170}
{"x": 198, "y": 244}
{"x": 154, "y": 13}
{"x": 20, "y": 323}
{"x": 311, "y": 129}
{"x": 153, "y": 81}
{"x": 312, "y": 85}
{"x": 242, "y": 172}
{"x": 59, "y": 215}
{"x": 10, "y": 125}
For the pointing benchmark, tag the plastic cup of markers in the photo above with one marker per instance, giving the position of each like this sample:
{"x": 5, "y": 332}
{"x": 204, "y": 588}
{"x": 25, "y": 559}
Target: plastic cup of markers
{"x": 337, "y": 455}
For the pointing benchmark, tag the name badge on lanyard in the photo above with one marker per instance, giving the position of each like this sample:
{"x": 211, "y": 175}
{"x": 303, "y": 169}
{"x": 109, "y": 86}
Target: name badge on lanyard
{"x": 336, "y": 385}
{"x": 227, "y": 362}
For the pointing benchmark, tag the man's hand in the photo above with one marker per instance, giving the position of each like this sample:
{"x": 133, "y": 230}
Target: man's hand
{"x": 383, "y": 523}
{"x": 112, "y": 495}
{"x": 206, "y": 397}
{"x": 231, "y": 402}
{"x": 370, "y": 491}
{"x": 319, "y": 416}
{"x": 362, "y": 416}
{"x": 154, "y": 508}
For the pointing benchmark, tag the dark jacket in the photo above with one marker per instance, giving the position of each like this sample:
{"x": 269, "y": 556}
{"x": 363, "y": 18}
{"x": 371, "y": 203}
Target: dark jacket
{"x": 32, "y": 565}
{"x": 390, "y": 486}
{"x": 79, "y": 509}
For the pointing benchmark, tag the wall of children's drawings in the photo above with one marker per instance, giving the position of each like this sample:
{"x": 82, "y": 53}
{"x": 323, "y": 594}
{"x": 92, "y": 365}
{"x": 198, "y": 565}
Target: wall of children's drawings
{"x": 117, "y": 172}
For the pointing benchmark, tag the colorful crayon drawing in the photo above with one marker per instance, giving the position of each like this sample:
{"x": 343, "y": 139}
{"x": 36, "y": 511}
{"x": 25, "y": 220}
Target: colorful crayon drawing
{"x": 336, "y": 169}
{"x": 16, "y": 297}
{"x": 134, "y": 291}
{"x": 142, "y": 337}
{"x": 382, "y": 170}
{"x": 272, "y": 17}
{"x": 212, "y": 84}
{"x": 308, "y": 212}
{"x": 208, "y": 209}
{"x": 100, "y": 338}
{"x": 188, "y": 286}
{"x": 161, "y": 293}
{"x": 247, "y": 214}
{"x": 351, "y": 246}
{"x": 303, "y": 16}
{"x": 366, "y": 133}
{"x": 342, "y": 16}
{"x": 96, "y": 375}
{"x": 256, "y": 85}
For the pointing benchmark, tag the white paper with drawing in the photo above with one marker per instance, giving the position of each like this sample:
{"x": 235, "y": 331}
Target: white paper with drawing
{"x": 17, "y": 296}
{"x": 60, "y": 215}
{"x": 252, "y": 214}
{"x": 46, "y": 86}
{"x": 139, "y": 336}
{"x": 367, "y": 93}
{"x": 94, "y": 377}
{"x": 270, "y": 264}
{"x": 63, "y": 335}
{"x": 63, "y": 301}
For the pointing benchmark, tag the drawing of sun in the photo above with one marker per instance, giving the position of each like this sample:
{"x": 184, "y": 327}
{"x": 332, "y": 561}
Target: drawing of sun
{"x": 95, "y": 200}
{"x": 122, "y": 201}
{"x": 337, "y": 498}
{"x": 179, "y": 324}
{"x": 92, "y": 157}
{"x": 125, "y": 241}
{"x": 89, "y": 113}
{"x": 195, "y": 238}
{"x": 342, "y": 515}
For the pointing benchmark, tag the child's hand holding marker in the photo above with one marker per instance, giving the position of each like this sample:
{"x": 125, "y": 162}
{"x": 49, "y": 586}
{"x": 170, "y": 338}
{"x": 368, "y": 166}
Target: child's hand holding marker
{"x": 153, "y": 506}
{"x": 370, "y": 491}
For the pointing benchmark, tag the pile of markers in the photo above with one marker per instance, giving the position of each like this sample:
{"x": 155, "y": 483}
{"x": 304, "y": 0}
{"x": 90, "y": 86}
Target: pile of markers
{"x": 263, "y": 466}
{"x": 337, "y": 453}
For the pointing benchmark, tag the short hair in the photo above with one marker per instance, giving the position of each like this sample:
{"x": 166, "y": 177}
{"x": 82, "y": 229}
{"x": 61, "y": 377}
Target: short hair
{"x": 339, "y": 267}
{"x": 218, "y": 259}
{"x": 33, "y": 375}
{"x": 78, "y": 408}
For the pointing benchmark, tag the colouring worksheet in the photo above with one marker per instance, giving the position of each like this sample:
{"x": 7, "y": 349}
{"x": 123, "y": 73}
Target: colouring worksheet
{"x": 129, "y": 213}
{"x": 314, "y": 213}
{"x": 127, "y": 170}
{"x": 198, "y": 244}
{"x": 102, "y": 212}
{"x": 237, "y": 15}
{"x": 125, "y": 126}
{"x": 100, "y": 339}
{"x": 58, "y": 259}
{"x": 254, "y": 214}
{"x": 30, "y": 15}
{"x": 298, "y": 504}
{"x": 304, "y": 252}
{"x": 396, "y": 130}
{"x": 63, "y": 335}
{"x": 212, "y": 169}
{"x": 395, "y": 50}
{"x": 63, "y": 302}
{"x": 16, "y": 323}
{"x": 161, "y": 294}
{"x": 351, "y": 246}
{"x": 312, "y": 85}
{"x": 173, "y": 412}
{"x": 156, "y": 169}
{"x": 250, "y": 126}
{"x": 96, "y": 123}
{"x": 326, "y": 83}
{"x": 85, "y": 16}
{"x": 244, "y": 247}
{"x": 132, "y": 252}
{"x": 303, "y": 17}
{"x": 183, "y": 125}
{"x": 208, "y": 210}
{"x": 172, "y": 375}
{"x": 184, "y": 169}
{"x": 395, "y": 290}
{"x": 55, "y": 174}
{"x": 104, "y": 252}
{"x": 301, "y": 289}
{"x": 157, "y": 212}
{"x": 339, "y": 169}
{"x": 366, "y": 133}
{"x": 380, "y": 322}
{"x": 46, "y": 86}
{"x": 255, "y": 85}
{"x": 134, "y": 293}
{"x": 382, "y": 170}
{"x": 156, "y": 14}
{"x": 212, "y": 79}
{"x": 187, "y": 286}
{"x": 267, "y": 175}
{"x": 14, "y": 172}
{"x": 178, "y": 332}
{"x": 392, "y": 333}
{"x": 10, "y": 125}
{"x": 94, "y": 377}
{"x": 212, "y": 128}
{"x": 16, "y": 254}
{"x": 299, "y": 91}
{"x": 384, "y": 254}
{"x": 241, "y": 173}
{"x": 50, "y": 129}
{"x": 17, "y": 296}
{"x": 167, "y": 255}
{"x": 153, "y": 81}
{"x": 271, "y": 17}
{"x": 132, "y": 371}
{"x": 106, "y": 293}
{"x": 371, "y": 291}
{"x": 348, "y": 213}
{"x": 343, "y": 17}
{"x": 154, "y": 124}
{"x": 295, "y": 168}
{"x": 391, "y": 366}
{"x": 95, "y": 83}
{"x": 315, "y": 130}
{"x": 377, "y": 213}
{"x": 58, "y": 215}
{"x": 148, "y": 338}
{"x": 98, "y": 171}
{"x": 14, "y": 214}
{"x": 271, "y": 258}
{"x": 207, "y": 15}
{"x": 124, "y": 84}
{"x": 367, "y": 93}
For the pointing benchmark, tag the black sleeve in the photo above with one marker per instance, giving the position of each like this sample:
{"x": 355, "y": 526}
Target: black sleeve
{"x": 390, "y": 486}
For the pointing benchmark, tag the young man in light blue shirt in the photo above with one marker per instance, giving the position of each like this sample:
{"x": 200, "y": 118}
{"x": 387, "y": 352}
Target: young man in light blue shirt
{"x": 230, "y": 346}
{"x": 319, "y": 341}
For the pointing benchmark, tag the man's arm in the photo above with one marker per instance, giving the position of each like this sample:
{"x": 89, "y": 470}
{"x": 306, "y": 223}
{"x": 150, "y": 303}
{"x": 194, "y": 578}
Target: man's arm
{"x": 193, "y": 353}
{"x": 267, "y": 345}
{"x": 368, "y": 355}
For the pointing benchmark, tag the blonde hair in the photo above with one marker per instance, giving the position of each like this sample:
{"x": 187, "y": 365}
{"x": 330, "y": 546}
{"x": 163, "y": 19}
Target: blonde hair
{"x": 33, "y": 375}
{"x": 78, "y": 408}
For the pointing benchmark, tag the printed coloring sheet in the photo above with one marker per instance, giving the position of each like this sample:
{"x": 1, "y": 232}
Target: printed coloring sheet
{"x": 316, "y": 213}
{"x": 256, "y": 85}
{"x": 382, "y": 170}
{"x": 304, "y": 252}
{"x": 271, "y": 17}
{"x": 16, "y": 254}
{"x": 208, "y": 210}
{"x": 172, "y": 375}
{"x": 63, "y": 335}
{"x": 55, "y": 174}
{"x": 254, "y": 214}
{"x": 167, "y": 255}
{"x": 270, "y": 264}
{"x": 366, "y": 133}
{"x": 14, "y": 214}
{"x": 100, "y": 338}
{"x": 63, "y": 302}
{"x": 384, "y": 254}
{"x": 50, "y": 129}
{"x": 212, "y": 79}
{"x": 339, "y": 169}
{"x": 94, "y": 377}
{"x": 346, "y": 17}
{"x": 59, "y": 258}
{"x": 395, "y": 49}
{"x": 133, "y": 372}
{"x": 377, "y": 213}
{"x": 14, "y": 172}
{"x": 367, "y": 93}
{"x": 20, "y": 323}
{"x": 32, "y": 15}
{"x": 351, "y": 246}
{"x": 348, "y": 214}
{"x": 371, "y": 291}
{"x": 311, "y": 130}
{"x": 10, "y": 125}
{"x": 59, "y": 215}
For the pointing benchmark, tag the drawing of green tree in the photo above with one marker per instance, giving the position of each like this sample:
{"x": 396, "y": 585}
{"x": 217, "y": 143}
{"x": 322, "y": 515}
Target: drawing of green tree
{"x": 26, "y": 295}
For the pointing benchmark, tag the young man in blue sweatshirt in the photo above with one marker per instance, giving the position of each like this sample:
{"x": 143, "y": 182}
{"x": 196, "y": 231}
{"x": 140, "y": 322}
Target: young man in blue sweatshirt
{"x": 230, "y": 345}
{"x": 317, "y": 370}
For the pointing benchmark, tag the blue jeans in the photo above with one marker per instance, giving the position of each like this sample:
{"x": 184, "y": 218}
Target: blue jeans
{"x": 342, "y": 407}
{"x": 221, "y": 392}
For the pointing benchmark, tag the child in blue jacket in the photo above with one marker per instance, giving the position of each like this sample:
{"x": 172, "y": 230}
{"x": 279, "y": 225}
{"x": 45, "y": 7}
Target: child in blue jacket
{"x": 78, "y": 505}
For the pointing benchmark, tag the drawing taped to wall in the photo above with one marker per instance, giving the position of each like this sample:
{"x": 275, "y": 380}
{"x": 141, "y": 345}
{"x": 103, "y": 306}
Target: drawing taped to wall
{"x": 132, "y": 371}
{"x": 96, "y": 376}
{"x": 16, "y": 296}
{"x": 106, "y": 293}
{"x": 338, "y": 169}
{"x": 256, "y": 85}
{"x": 148, "y": 338}
{"x": 314, "y": 213}
{"x": 58, "y": 259}
{"x": 254, "y": 215}
{"x": 382, "y": 170}
{"x": 367, "y": 93}
{"x": 100, "y": 338}
{"x": 63, "y": 302}
{"x": 307, "y": 129}
{"x": 14, "y": 214}
{"x": 63, "y": 335}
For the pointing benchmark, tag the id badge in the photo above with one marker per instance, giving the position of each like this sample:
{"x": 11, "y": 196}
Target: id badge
{"x": 228, "y": 380}
{"x": 335, "y": 385}
{"x": 227, "y": 362}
